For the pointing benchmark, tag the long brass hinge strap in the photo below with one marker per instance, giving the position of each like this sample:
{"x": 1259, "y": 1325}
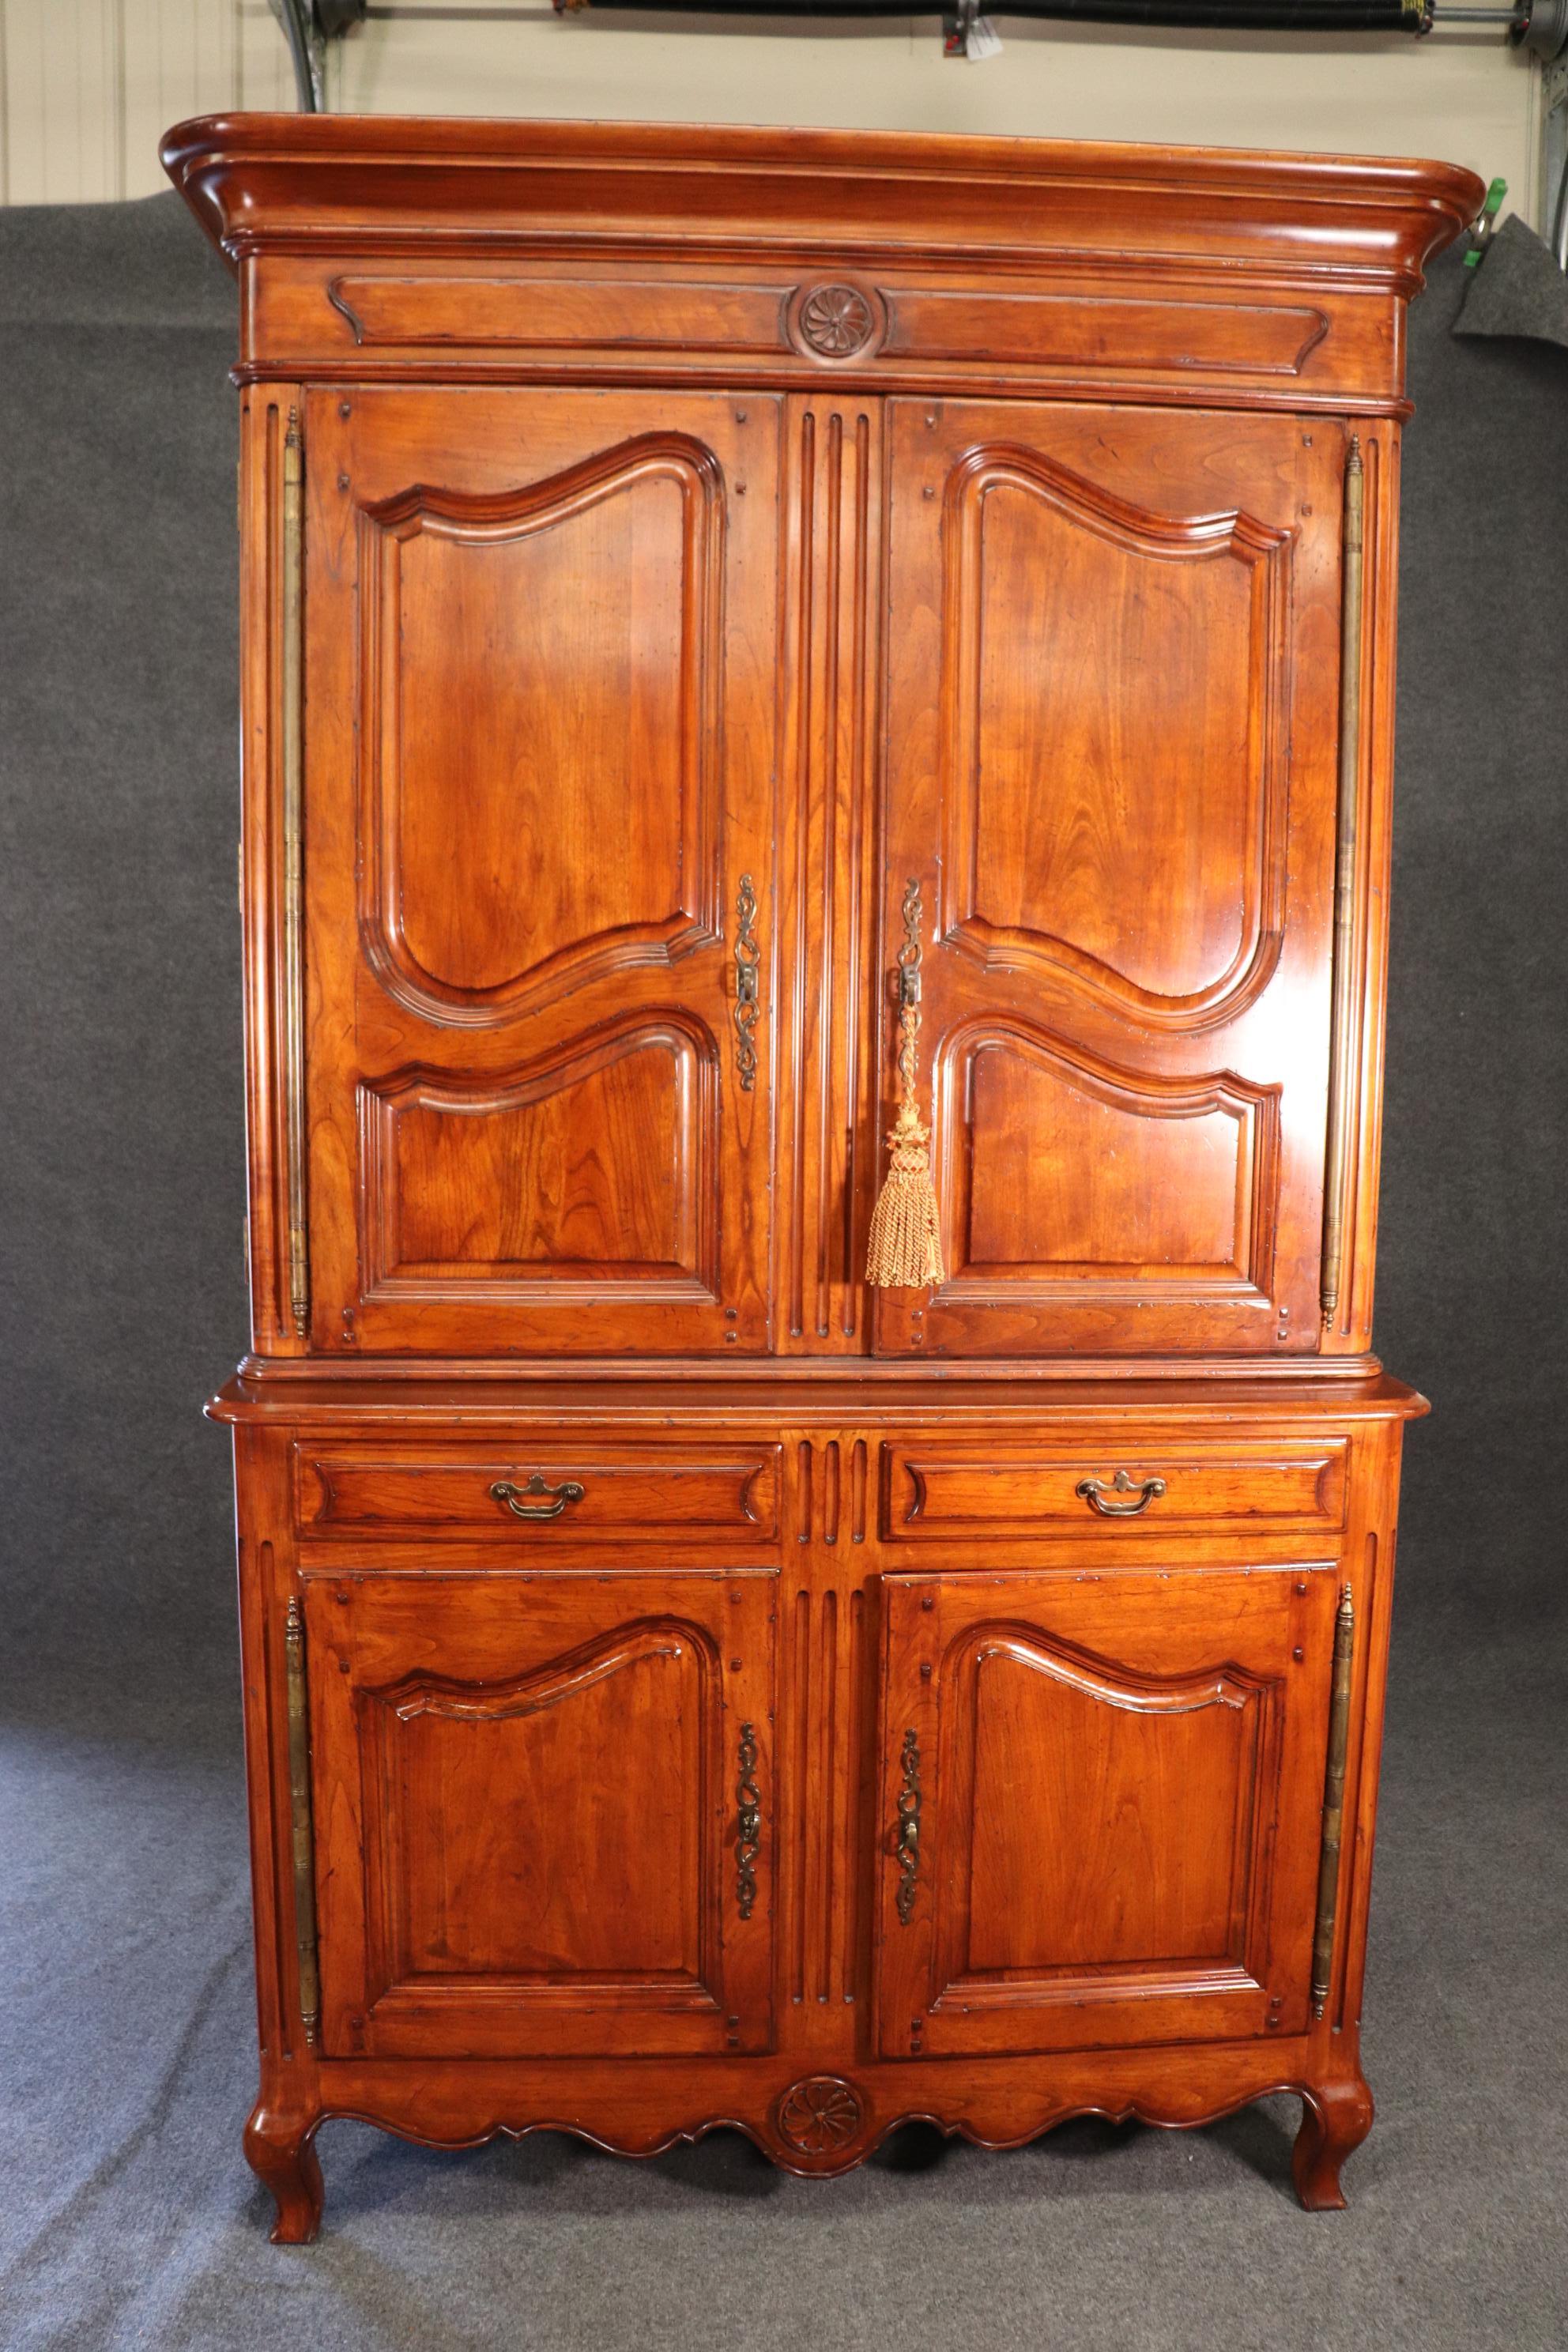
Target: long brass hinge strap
{"x": 1334, "y": 1801}
{"x": 1346, "y": 843}
{"x": 291, "y": 679}
{"x": 303, "y": 1826}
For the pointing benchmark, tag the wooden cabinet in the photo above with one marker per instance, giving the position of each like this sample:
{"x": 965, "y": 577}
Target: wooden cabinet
{"x": 749, "y": 636}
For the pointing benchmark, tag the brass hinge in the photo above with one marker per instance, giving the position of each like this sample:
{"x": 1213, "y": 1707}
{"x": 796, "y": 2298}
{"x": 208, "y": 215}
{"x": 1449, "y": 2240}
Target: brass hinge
{"x": 291, "y": 669}
{"x": 303, "y": 1831}
{"x": 1334, "y": 1801}
{"x": 1346, "y": 847}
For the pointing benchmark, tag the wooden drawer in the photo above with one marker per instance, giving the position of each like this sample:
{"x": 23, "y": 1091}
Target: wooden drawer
{"x": 551, "y": 1490}
{"x": 978, "y": 1492}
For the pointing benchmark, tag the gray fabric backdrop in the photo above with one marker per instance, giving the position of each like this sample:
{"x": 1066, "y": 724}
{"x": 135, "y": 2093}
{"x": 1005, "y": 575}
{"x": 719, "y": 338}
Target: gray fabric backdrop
{"x": 125, "y": 2026}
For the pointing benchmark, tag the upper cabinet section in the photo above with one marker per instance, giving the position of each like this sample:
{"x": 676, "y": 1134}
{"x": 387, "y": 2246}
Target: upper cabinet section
{"x": 374, "y": 250}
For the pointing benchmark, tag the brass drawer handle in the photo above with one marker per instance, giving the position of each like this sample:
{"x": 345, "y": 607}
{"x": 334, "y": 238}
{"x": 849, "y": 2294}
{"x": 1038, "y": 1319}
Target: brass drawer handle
{"x": 568, "y": 1491}
{"x": 1095, "y": 1493}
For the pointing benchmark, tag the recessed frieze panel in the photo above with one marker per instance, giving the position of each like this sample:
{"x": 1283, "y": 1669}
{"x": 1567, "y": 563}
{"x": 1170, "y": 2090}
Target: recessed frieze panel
{"x": 597, "y": 309}
{"x": 1115, "y": 784}
{"x": 549, "y": 310}
{"x": 538, "y": 676}
{"x": 1111, "y": 334}
{"x": 1062, "y": 1171}
{"x": 595, "y": 1167}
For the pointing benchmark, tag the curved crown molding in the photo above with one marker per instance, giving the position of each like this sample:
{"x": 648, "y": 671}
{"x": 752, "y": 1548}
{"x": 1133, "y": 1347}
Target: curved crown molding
{"x": 257, "y": 179}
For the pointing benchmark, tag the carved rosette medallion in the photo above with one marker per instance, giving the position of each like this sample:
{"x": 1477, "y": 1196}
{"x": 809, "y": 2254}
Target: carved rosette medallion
{"x": 819, "y": 2116}
{"x": 838, "y": 321}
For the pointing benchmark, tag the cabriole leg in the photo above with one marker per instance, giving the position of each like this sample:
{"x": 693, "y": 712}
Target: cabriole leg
{"x": 280, "y": 2150}
{"x": 1335, "y": 2119}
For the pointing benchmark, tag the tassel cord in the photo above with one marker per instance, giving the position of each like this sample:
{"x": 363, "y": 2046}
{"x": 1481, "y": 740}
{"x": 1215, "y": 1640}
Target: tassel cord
{"x": 904, "y": 1245}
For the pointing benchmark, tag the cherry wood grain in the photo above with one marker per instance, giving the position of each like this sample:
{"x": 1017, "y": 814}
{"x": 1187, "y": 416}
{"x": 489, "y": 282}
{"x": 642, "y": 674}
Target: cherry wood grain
{"x": 559, "y": 1492}
{"x": 1349, "y": 1329}
{"x": 682, "y": 1687}
{"x": 1120, "y": 1788}
{"x": 1162, "y": 1630}
{"x": 1189, "y": 275}
{"x": 279, "y": 2149}
{"x": 537, "y": 766}
{"x": 263, "y": 423}
{"x": 941, "y": 1494}
{"x": 524, "y": 1793}
{"x": 832, "y": 534}
{"x": 1112, "y": 716}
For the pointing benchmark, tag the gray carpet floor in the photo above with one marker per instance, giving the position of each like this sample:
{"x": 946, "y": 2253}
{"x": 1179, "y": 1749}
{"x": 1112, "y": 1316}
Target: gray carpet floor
{"x": 126, "y": 2027}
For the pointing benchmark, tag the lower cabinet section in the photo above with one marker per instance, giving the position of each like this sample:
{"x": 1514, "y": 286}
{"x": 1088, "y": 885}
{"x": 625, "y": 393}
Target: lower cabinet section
{"x": 525, "y": 1790}
{"x": 808, "y": 1830}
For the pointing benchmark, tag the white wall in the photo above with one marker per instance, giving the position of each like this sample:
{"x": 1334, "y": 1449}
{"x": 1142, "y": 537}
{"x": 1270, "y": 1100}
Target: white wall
{"x": 86, "y": 86}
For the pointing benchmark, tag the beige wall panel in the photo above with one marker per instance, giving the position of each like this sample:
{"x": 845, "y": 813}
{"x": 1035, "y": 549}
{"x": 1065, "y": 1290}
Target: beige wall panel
{"x": 64, "y": 101}
{"x": 88, "y": 88}
{"x": 266, "y": 77}
{"x": 179, "y": 59}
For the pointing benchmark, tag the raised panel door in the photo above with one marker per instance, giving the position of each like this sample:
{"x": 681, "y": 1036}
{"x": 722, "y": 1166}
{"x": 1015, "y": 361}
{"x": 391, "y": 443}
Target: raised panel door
{"x": 528, "y": 1793}
{"x": 538, "y": 718}
{"x": 1101, "y": 1798}
{"x": 1111, "y": 721}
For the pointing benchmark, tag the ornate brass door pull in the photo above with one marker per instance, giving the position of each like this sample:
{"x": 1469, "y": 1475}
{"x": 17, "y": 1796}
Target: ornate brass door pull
{"x": 908, "y": 1845}
{"x": 1095, "y": 1493}
{"x": 749, "y": 1827}
{"x": 569, "y": 1491}
{"x": 748, "y": 995}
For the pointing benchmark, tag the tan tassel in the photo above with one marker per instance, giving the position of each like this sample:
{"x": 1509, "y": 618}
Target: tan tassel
{"x": 904, "y": 1250}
